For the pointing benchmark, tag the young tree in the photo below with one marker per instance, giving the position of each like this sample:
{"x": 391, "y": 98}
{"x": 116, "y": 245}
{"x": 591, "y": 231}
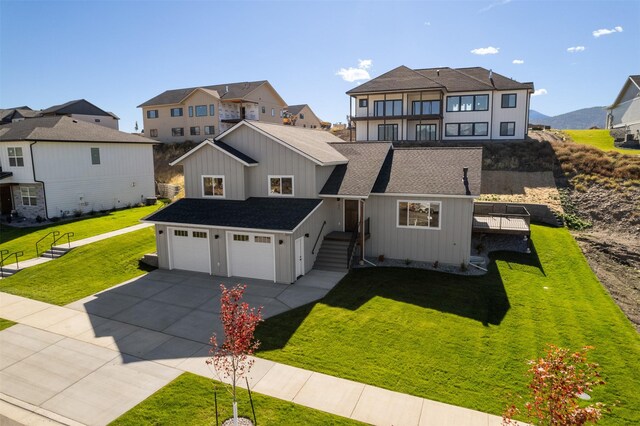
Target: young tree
{"x": 558, "y": 381}
{"x": 231, "y": 358}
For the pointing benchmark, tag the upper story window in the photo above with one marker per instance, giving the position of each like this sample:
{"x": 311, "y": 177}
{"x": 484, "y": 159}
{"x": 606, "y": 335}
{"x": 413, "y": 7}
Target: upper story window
{"x": 273, "y": 112}
{"x": 153, "y": 133}
{"x": 391, "y": 107}
{"x": 95, "y": 156}
{"x": 176, "y": 112}
{"x": 209, "y": 130}
{"x": 419, "y": 214}
{"x": 190, "y": 111}
{"x": 387, "y": 132}
{"x": 301, "y": 116}
{"x": 177, "y": 131}
{"x": 213, "y": 186}
{"x": 16, "y": 158}
{"x": 363, "y": 103}
{"x": 280, "y": 185}
{"x": 466, "y": 129}
{"x": 425, "y": 107}
{"x": 509, "y": 100}
{"x": 201, "y": 110}
{"x": 468, "y": 103}
{"x": 263, "y": 110}
{"x": 212, "y": 110}
{"x": 152, "y": 113}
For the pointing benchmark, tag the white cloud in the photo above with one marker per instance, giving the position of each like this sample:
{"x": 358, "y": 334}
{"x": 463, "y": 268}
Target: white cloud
{"x": 427, "y": 24}
{"x": 352, "y": 74}
{"x": 518, "y": 61}
{"x": 364, "y": 64}
{"x": 575, "y": 49}
{"x": 604, "y": 31}
{"x": 539, "y": 92}
{"x": 494, "y": 4}
{"x": 486, "y": 50}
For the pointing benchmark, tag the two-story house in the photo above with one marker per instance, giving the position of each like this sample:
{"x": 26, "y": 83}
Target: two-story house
{"x": 197, "y": 113}
{"x": 57, "y": 165}
{"x": 440, "y": 104}
{"x": 272, "y": 202}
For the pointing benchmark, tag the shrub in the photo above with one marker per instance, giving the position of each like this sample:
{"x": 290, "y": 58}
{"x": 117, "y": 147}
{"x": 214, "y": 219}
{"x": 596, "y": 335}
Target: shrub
{"x": 574, "y": 222}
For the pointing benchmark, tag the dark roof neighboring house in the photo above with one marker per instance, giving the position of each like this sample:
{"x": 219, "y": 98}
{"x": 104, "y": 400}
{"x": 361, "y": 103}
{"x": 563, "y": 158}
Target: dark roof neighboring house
{"x": 432, "y": 171}
{"x": 295, "y": 109}
{"x": 65, "y": 129}
{"x": 234, "y": 152}
{"x": 276, "y": 214}
{"x": 635, "y": 79}
{"x": 9, "y": 114}
{"x": 79, "y": 106}
{"x": 403, "y": 78}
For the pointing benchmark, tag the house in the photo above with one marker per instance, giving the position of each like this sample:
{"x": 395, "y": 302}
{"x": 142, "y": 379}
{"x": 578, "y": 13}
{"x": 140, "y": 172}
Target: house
{"x": 11, "y": 115}
{"x": 272, "y": 202}
{"x": 440, "y": 104}
{"x": 197, "y": 113}
{"x": 57, "y": 165}
{"x": 84, "y": 110}
{"x": 624, "y": 113}
{"x": 302, "y": 116}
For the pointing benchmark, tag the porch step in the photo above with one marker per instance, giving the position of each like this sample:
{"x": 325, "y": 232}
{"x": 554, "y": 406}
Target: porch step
{"x": 7, "y": 272}
{"x": 332, "y": 255}
{"x": 55, "y": 252}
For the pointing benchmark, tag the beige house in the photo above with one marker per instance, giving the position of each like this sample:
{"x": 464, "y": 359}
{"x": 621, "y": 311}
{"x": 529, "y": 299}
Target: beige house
{"x": 197, "y": 113}
{"x": 302, "y": 116}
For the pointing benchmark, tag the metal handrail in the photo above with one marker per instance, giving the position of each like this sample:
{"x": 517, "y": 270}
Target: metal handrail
{"x": 17, "y": 254}
{"x": 55, "y": 234}
{"x": 318, "y": 238}
{"x": 352, "y": 246}
{"x": 66, "y": 234}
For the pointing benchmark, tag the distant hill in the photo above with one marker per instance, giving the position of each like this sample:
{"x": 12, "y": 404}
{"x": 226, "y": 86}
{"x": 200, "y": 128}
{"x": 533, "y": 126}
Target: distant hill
{"x": 580, "y": 119}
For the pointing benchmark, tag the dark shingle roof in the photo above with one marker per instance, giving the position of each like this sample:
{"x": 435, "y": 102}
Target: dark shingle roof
{"x": 234, "y": 152}
{"x": 236, "y": 91}
{"x": 61, "y": 128}
{"x": 4, "y": 175}
{"x": 358, "y": 176}
{"x": 430, "y": 171}
{"x": 295, "y": 109}
{"x": 277, "y": 214}
{"x": 79, "y": 106}
{"x": 401, "y": 78}
{"x": 635, "y": 79}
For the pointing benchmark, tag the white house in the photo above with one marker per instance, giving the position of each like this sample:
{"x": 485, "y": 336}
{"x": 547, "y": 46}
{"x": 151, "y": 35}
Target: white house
{"x": 624, "y": 113}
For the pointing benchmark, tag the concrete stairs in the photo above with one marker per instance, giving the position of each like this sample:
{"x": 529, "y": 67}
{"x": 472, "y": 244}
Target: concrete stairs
{"x": 51, "y": 254}
{"x": 55, "y": 252}
{"x": 332, "y": 255}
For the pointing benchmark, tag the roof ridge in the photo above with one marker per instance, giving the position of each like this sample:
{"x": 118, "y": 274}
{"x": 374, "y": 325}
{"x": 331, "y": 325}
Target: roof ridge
{"x": 428, "y": 78}
{"x": 472, "y": 77}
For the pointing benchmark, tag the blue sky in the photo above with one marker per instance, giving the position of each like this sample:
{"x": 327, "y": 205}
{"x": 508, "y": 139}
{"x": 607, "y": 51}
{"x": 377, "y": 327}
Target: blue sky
{"x": 118, "y": 54}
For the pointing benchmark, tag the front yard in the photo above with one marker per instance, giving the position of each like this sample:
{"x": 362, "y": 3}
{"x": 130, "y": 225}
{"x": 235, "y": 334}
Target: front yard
{"x": 600, "y": 139}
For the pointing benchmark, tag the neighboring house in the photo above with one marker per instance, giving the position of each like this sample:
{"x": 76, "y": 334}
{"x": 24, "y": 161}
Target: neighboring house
{"x": 262, "y": 200}
{"x": 196, "y": 113}
{"x": 56, "y": 166}
{"x": 302, "y": 116}
{"x": 625, "y": 111}
{"x": 440, "y": 104}
{"x": 84, "y": 110}
{"x": 11, "y": 115}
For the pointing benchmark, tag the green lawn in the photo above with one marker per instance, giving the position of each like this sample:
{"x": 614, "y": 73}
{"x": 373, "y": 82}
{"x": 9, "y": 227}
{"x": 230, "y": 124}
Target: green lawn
{"x": 465, "y": 340}
{"x": 600, "y": 139}
{"x": 84, "y": 270}
{"x": 24, "y": 239}
{"x": 5, "y": 323}
{"x": 189, "y": 400}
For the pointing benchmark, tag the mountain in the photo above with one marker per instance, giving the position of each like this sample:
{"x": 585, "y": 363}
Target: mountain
{"x": 584, "y": 118}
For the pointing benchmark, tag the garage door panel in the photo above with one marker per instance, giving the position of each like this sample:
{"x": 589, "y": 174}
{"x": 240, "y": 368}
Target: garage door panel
{"x": 251, "y": 255}
{"x": 189, "y": 249}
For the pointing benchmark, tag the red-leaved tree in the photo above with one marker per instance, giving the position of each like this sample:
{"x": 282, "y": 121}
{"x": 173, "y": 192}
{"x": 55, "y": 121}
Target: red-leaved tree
{"x": 558, "y": 380}
{"x": 231, "y": 358}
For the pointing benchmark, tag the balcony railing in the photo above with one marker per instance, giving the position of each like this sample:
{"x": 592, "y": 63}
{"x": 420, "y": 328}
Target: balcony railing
{"x": 397, "y": 117}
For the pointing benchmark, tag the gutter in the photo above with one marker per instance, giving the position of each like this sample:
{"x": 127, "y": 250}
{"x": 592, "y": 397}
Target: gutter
{"x": 44, "y": 191}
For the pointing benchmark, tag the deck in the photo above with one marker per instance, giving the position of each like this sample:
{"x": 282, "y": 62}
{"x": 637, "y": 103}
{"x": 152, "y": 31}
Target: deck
{"x": 512, "y": 219}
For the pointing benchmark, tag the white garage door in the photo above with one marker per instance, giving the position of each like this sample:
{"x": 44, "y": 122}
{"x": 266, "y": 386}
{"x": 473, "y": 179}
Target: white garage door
{"x": 251, "y": 255}
{"x": 189, "y": 249}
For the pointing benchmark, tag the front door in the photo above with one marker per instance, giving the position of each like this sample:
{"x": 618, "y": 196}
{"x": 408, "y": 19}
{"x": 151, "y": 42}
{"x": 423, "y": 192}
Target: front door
{"x": 5, "y": 199}
{"x": 299, "y": 257}
{"x": 350, "y": 215}
{"x": 244, "y": 112}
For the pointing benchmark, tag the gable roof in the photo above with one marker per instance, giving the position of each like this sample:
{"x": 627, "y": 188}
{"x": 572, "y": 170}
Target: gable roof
{"x": 295, "y": 109}
{"x": 220, "y": 146}
{"x": 430, "y": 171}
{"x": 357, "y": 177}
{"x": 61, "y": 128}
{"x": 9, "y": 114}
{"x": 400, "y": 78}
{"x": 633, "y": 79}
{"x": 79, "y": 106}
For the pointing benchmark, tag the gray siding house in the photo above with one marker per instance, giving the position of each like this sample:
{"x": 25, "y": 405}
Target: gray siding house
{"x": 624, "y": 113}
{"x": 272, "y": 202}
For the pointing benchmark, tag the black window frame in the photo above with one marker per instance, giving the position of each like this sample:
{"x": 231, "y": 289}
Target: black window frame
{"x": 384, "y": 104}
{"x": 508, "y": 96}
{"x": 435, "y": 132}
{"x": 190, "y": 111}
{"x": 213, "y": 129}
{"x": 473, "y": 104}
{"x": 174, "y": 112}
{"x": 421, "y": 104}
{"x": 363, "y": 103}
{"x": 152, "y": 113}
{"x": 394, "y": 128}
{"x": 153, "y": 133}
{"x": 193, "y": 132}
{"x": 473, "y": 129}
{"x": 176, "y": 134}
{"x": 202, "y": 108}
{"x": 503, "y": 123}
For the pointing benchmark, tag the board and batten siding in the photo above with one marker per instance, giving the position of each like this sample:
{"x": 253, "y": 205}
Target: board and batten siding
{"x": 322, "y": 174}
{"x": 518, "y": 115}
{"x": 210, "y": 161}
{"x": 451, "y": 244}
{"x": 274, "y": 159}
{"x": 313, "y": 227}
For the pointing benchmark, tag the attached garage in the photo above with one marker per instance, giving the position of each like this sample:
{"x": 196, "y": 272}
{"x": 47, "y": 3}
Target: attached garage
{"x": 189, "y": 249}
{"x": 251, "y": 255}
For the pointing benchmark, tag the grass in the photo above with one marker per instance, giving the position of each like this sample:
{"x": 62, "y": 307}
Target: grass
{"x": 24, "y": 239}
{"x": 189, "y": 400}
{"x": 5, "y": 323}
{"x": 600, "y": 139}
{"x": 465, "y": 340}
{"x": 84, "y": 270}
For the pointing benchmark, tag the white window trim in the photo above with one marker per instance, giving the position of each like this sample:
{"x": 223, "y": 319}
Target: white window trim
{"x": 432, "y": 228}
{"x": 224, "y": 186}
{"x": 15, "y": 156}
{"x": 293, "y": 188}
{"x": 29, "y": 196}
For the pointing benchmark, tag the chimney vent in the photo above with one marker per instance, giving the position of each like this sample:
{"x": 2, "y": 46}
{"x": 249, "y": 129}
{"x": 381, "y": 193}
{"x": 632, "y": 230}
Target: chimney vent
{"x": 490, "y": 74}
{"x": 226, "y": 89}
{"x": 465, "y": 180}
{"x": 438, "y": 72}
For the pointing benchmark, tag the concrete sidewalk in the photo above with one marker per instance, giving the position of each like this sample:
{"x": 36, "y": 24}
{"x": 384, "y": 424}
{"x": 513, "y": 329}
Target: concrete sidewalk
{"x": 62, "y": 361}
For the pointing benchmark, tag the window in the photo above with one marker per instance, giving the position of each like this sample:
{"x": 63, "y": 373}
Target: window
{"x": 176, "y": 112}
{"x": 468, "y": 103}
{"x": 387, "y": 108}
{"x": 213, "y": 186}
{"x": 153, "y": 133}
{"x": 419, "y": 214}
{"x": 29, "y": 196}
{"x": 95, "y": 156}
{"x": 363, "y": 103}
{"x": 201, "y": 110}
{"x": 273, "y": 112}
{"x": 264, "y": 110}
{"x": 426, "y": 107}
{"x": 508, "y": 128}
{"x": 97, "y": 120}
{"x": 260, "y": 239}
{"x": 281, "y": 185}
{"x": 240, "y": 237}
{"x": 199, "y": 234}
{"x": 177, "y": 131}
{"x": 209, "y": 130}
{"x": 466, "y": 129}
{"x": 180, "y": 233}
{"x": 426, "y": 132}
{"x": 190, "y": 111}
{"x": 15, "y": 156}
{"x": 301, "y": 116}
{"x": 387, "y": 132}
{"x": 194, "y": 131}
{"x": 212, "y": 110}
{"x": 509, "y": 100}
{"x": 152, "y": 113}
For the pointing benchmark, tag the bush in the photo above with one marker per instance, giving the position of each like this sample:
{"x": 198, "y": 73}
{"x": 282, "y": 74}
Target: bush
{"x": 574, "y": 222}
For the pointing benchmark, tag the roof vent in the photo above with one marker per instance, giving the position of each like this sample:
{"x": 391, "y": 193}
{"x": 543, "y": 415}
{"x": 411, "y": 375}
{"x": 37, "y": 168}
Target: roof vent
{"x": 226, "y": 89}
{"x": 465, "y": 180}
{"x": 75, "y": 121}
{"x": 490, "y": 74}
{"x": 438, "y": 72}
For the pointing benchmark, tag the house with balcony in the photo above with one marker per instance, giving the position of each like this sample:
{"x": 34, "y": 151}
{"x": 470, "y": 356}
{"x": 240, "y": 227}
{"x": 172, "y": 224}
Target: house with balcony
{"x": 197, "y": 113}
{"x": 440, "y": 104}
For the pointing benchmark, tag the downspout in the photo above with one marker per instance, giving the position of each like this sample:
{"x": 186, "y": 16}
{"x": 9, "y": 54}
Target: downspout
{"x": 493, "y": 93}
{"x": 33, "y": 169}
